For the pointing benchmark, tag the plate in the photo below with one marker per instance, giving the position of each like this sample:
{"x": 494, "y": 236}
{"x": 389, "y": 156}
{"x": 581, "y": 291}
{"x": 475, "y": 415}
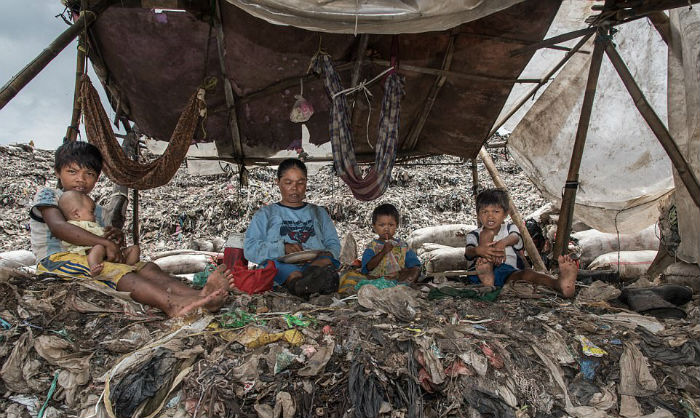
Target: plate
{"x": 299, "y": 256}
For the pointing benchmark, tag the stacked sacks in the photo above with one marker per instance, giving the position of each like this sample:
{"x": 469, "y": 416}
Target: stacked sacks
{"x": 441, "y": 248}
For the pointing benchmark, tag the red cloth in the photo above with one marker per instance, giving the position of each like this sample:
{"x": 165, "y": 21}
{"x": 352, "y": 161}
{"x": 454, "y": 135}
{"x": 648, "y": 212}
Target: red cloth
{"x": 254, "y": 281}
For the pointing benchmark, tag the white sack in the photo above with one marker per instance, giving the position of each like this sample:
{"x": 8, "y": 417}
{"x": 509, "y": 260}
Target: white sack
{"x": 184, "y": 263}
{"x": 631, "y": 264}
{"x": 624, "y": 169}
{"x": 17, "y": 258}
{"x": 683, "y": 274}
{"x": 594, "y": 243}
{"x": 452, "y": 235}
{"x": 443, "y": 258}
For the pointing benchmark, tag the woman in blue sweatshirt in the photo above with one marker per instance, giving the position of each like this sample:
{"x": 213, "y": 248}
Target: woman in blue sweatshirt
{"x": 292, "y": 225}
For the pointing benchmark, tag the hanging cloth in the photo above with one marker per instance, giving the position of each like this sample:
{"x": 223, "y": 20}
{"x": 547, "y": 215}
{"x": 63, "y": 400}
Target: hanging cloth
{"x": 377, "y": 179}
{"x": 120, "y": 168}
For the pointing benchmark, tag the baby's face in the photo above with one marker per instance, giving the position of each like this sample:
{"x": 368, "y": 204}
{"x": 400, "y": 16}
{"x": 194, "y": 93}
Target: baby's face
{"x": 385, "y": 227}
{"x": 491, "y": 217}
{"x": 83, "y": 213}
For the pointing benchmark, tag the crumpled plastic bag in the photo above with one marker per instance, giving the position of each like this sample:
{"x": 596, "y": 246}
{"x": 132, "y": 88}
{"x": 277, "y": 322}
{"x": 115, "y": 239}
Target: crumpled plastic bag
{"x": 128, "y": 340}
{"x": 318, "y": 361}
{"x": 398, "y": 301}
{"x": 75, "y": 367}
{"x": 18, "y": 370}
{"x": 284, "y": 407}
{"x": 302, "y": 110}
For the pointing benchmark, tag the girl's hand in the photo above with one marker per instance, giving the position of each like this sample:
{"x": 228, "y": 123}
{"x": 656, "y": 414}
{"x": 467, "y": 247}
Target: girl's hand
{"x": 115, "y": 235}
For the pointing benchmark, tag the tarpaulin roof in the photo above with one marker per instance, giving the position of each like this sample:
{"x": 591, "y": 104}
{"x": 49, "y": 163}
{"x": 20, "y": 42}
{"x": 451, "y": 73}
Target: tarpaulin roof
{"x": 152, "y": 60}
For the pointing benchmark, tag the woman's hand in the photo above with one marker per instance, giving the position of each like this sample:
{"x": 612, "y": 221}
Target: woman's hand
{"x": 292, "y": 248}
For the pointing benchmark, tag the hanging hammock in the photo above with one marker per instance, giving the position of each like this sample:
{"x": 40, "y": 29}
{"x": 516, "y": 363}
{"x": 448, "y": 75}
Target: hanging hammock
{"x": 120, "y": 168}
{"x": 377, "y": 179}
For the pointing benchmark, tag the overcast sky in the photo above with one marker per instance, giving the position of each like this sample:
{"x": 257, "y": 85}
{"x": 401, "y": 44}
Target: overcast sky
{"x": 42, "y": 110}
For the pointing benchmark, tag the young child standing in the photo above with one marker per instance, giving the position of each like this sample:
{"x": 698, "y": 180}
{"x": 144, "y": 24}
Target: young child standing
{"x": 388, "y": 256}
{"x": 79, "y": 210}
{"x": 494, "y": 245}
{"x": 77, "y": 166}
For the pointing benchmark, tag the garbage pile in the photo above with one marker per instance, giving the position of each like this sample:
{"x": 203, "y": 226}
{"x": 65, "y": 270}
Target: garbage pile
{"x": 437, "y": 350}
{"x": 440, "y": 348}
{"x": 200, "y": 212}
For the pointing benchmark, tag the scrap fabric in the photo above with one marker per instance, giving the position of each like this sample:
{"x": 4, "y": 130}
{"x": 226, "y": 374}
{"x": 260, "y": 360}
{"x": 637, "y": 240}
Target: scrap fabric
{"x": 377, "y": 179}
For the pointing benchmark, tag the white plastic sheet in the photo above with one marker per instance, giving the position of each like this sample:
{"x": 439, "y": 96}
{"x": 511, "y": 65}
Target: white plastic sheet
{"x": 624, "y": 169}
{"x": 376, "y": 16}
{"x": 684, "y": 120}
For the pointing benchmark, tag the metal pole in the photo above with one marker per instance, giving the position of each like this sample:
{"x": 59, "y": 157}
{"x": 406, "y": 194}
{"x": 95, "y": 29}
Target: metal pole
{"x": 567, "y": 203}
{"x": 514, "y": 214}
{"x": 27, "y": 74}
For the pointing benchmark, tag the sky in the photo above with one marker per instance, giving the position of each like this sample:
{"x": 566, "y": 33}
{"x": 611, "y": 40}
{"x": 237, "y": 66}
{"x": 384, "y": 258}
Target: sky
{"x": 41, "y": 111}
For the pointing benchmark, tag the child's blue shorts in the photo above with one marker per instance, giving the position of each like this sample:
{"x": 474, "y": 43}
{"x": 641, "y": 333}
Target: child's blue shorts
{"x": 501, "y": 273}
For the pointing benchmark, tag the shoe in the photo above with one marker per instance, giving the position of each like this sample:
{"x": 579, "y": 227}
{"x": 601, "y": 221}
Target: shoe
{"x": 661, "y": 301}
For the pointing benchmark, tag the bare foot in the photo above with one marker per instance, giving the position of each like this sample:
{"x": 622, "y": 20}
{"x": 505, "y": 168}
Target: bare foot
{"x": 484, "y": 270}
{"x": 96, "y": 269}
{"x": 568, "y": 270}
{"x": 185, "y": 304}
{"x": 218, "y": 280}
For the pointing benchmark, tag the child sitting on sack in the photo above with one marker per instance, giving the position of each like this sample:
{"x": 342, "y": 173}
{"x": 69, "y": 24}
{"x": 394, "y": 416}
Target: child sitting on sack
{"x": 494, "y": 244}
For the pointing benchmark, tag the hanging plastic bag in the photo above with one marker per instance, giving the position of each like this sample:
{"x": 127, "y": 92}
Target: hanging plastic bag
{"x": 302, "y": 109}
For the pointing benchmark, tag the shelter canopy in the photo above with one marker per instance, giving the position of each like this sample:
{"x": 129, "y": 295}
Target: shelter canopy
{"x": 456, "y": 80}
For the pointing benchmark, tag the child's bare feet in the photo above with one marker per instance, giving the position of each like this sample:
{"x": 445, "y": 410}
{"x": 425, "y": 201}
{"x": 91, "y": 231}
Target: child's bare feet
{"x": 568, "y": 270}
{"x": 96, "y": 269}
{"x": 484, "y": 270}
{"x": 218, "y": 285}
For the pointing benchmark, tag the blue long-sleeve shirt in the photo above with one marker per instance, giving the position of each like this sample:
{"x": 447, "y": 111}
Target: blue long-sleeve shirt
{"x": 274, "y": 225}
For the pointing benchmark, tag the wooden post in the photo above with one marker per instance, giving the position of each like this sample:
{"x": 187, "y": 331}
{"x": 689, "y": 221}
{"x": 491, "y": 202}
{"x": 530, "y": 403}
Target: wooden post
{"x": 135, "y": 216}
{"x": 475, "y": 178}
{"x": 567, "y": 203}
{"x": 228, "y": 90}
{"x": 27, "y": 74}
{"x": 418, "y": 124}
{"x": 514, "y": 214}
{"x": 656, "y": 124}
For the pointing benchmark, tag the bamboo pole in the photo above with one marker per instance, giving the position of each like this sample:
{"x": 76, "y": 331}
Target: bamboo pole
{"x": 566, "y": 213}
{"x": 656, "y": 124}
{"x": 544, "y": 80}
{"x": 27, "y": 74}
{"x": 72, "y": 131}
{"x": 553, "y": 41}
{"x": 514, "y": 214}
